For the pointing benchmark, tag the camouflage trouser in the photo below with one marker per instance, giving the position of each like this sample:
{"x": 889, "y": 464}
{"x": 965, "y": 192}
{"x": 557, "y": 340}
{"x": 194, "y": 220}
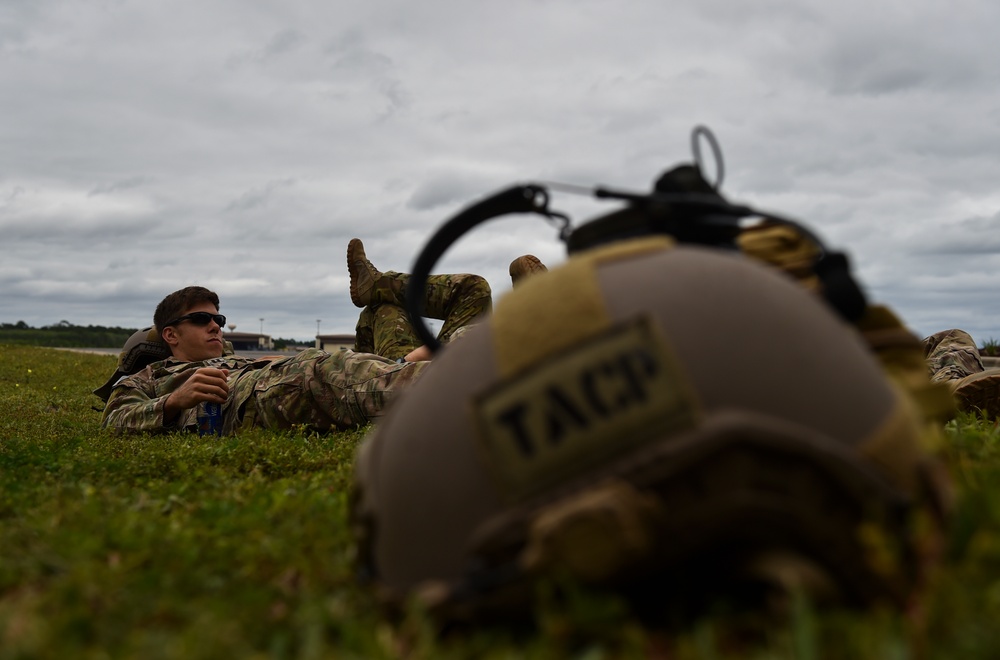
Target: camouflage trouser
{"x": 320, "y": 390}
{"x": 951, "y": 354}
{"x": 325, "y": 391}
{"x": 384, "y": 327}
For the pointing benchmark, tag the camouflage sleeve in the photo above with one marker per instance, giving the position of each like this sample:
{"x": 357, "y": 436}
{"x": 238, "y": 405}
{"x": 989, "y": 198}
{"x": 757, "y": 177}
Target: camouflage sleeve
{"x": 135, "y": 406}
{"x": 952, "y": 355}
{"x": 136, "y": 402}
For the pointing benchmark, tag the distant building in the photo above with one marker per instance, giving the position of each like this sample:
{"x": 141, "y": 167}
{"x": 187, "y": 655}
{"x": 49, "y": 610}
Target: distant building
{"x": 333, "y": 343}
{"x": 249, "y": 341}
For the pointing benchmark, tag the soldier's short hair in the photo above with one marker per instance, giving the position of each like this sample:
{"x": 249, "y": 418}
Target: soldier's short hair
{"x": 178, "y": 302}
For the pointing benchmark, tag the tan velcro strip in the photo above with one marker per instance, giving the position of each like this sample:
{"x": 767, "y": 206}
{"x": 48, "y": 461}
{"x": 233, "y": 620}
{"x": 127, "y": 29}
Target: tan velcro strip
{"x": 554, "y": 311}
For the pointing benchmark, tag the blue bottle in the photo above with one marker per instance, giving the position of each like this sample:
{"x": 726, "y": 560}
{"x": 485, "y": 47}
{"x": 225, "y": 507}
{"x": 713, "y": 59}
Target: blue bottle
{"x": 209, "y": 418}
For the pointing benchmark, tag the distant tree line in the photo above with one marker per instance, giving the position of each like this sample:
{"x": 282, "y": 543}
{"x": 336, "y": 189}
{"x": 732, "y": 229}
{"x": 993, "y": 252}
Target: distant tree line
{"x": 66, "y": 335}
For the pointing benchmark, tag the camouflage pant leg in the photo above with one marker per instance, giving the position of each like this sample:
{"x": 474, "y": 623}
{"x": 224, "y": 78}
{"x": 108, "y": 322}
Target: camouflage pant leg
{"x": 384, "y": 327}
{"x": 392, "y": 331}
{"x": 458, "y": 300}
{"x": 364, "y": 337}
{"x": 324, "y": 391}
{"x": 462, "y": 295}
{"x": 951, "y": 354}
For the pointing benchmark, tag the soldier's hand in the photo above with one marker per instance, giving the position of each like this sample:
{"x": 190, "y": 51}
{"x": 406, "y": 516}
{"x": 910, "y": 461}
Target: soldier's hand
{"x": 419, "y": 354}
{"x": 205, "y": 384}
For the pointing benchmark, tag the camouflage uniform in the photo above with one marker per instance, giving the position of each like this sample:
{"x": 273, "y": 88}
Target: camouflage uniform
{"x": 316, "y": 389}
{"x": 952, "y": 354}
{"x": 384, "y": 327}
{"x": 319, "y": 390}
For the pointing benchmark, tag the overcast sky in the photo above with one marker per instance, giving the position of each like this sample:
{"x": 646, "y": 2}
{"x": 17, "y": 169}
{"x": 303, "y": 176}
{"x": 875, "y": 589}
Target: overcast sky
{"x": 240, "y": 144}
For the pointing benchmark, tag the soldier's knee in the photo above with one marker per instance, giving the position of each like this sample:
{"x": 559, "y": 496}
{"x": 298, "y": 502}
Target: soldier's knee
{"x": 478, "y": 286}
{"x": 475, "y": 294}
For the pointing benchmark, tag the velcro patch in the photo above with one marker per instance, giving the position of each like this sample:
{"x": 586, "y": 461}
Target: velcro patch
{"x": 581, "y": 407}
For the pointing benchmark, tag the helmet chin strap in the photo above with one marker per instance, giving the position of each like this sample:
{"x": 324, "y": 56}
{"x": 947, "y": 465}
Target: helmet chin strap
{"x": 530, "y": 198}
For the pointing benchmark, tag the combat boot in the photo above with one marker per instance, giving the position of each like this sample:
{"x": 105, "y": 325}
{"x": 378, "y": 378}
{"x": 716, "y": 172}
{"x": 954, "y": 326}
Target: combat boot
{"x": 526, "y": 264}
{"x": 979, "y": 393}
{"x": 364, "y": 275}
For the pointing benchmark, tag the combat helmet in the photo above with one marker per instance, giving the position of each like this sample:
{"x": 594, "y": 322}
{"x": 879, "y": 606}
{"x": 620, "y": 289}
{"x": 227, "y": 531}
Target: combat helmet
{"x": 143, "y": 348}
{"x": 668, "y": 414}
{"x": 656, "y": 418}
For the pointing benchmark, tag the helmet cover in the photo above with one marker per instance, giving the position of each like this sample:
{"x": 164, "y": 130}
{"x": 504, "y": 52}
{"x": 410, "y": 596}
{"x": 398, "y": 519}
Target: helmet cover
{"x": 645, "y": 411}
{"x": 143, "y": 348}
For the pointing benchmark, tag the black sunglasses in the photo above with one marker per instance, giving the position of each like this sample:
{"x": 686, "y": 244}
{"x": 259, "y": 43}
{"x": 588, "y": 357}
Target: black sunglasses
{"x": 199, "y": 318}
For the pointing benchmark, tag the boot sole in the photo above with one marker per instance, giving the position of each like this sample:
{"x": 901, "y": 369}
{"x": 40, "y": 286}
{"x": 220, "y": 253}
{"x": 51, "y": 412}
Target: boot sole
{"x": 980, "y": 392}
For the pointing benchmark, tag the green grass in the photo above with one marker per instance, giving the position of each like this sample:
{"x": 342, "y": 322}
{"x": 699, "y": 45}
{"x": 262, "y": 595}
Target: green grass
{"x": 178, "y": 547}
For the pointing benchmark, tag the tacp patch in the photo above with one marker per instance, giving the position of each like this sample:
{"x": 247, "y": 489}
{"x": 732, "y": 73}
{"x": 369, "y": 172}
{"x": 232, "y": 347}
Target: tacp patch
{"x": 583, "y": 406}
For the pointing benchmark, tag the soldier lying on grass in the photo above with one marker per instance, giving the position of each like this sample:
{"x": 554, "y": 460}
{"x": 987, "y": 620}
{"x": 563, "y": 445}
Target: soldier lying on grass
{"x": 191, "y": 362}
{"x": 953, "y": 358}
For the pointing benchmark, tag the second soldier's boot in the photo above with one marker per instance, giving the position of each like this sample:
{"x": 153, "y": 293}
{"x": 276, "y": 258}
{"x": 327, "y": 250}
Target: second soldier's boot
{"x": 979, "y": 393}
{"x": 364, "y": 275}
{"x": 525, "y": 265}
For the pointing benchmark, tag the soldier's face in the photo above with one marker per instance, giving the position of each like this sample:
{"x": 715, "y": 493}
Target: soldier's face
{"x": 192, "y": 342}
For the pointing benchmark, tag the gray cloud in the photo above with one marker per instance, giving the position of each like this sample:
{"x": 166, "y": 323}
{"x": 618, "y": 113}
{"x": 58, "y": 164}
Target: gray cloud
{"x": 124, "y": 184}
{"x": 283, "y": 42}
{"x": 279, "y": 44}
{"x": 259, "y": 196}
{"x": 966, "y": 238}
{"x": 456, "y": 189}
{"x": 353, "y": 58}
{"x": 240, "y": 145}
